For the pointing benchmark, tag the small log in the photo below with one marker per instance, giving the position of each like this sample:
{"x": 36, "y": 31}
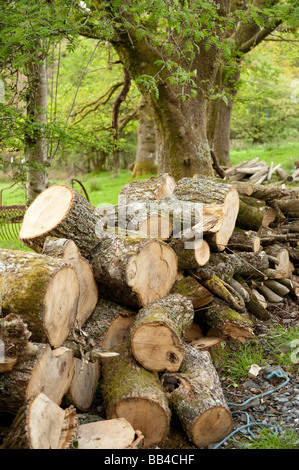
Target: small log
{"x": 271, "y": 192}
{"x": 108, "y": 326}
{"x": 134, "y": 270}
{"x": 249, "y": 217}
{"x": 43, "y": 291}
{"x": 157, "y": 335}
{"x": 253, "y": 305}
{"x": 84, "y": 383}
{"x": 209, "y": 191}
{"x": 242, "y": 240}
{"x": 67, "y": 251}
{"x": 42, "y": 424}
{"x": 60, "y": 212}
{"x": 14, "y": 341}
{"x": 277, "y": 287}
{"x": 226, "y": 320}
{"x": 225, "y": 291}
{"x": 196, "y": 395}
{"x": 192, "y": 290}
{"x": 48, "y": 371}
{"x": 284, "y": 175}
{"x": 190, "y": 254}
{"x": 106, "y": 434}
{"x": 269, "y": 294}
{"x": 150, "y": 189}
{"x": 243, "y": 187}
{"x": 136, "y": 394}
{"x": 289, "y": 206}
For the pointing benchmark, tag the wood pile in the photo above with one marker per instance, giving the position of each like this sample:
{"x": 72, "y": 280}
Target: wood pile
{"x": 135, "y": 297}
{"x": 256, "y": 171}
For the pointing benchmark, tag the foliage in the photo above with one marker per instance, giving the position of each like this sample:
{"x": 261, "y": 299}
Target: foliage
{"x": 268, "y": 439}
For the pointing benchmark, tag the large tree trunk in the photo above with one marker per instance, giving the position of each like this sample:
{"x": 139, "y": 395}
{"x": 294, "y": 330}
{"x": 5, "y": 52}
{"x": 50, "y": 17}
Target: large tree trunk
{"x": 146, "y": 154}
{"x": 36, "y": 154}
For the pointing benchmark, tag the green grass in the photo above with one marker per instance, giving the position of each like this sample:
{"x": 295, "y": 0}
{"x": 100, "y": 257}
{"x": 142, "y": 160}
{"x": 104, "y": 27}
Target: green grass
{"x": 268, "y": 439}
{"x": 285, "y": 153}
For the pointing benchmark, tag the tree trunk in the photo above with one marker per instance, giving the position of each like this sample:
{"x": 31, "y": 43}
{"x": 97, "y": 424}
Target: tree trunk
{"x": 44, "y": 291}
{"x": 136, "y": 394}
{"x": 42, "y": 424}
{"x": 133, "y": 270}
{"x": 196, "y": 395}
{"x": 36, "y": 154}
{"x": 67, "y": 251}
{"x": 49, "y": 371}
{"x": 146, "y": 153}
{"x": 158, "y": 331}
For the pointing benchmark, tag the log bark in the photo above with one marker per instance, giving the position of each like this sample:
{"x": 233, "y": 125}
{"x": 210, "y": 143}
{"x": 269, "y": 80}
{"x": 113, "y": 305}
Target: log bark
{"x": 204, "y": 190}
{"x": 249, "y": 217}
{"x": 253, "y": 305}
{"x": 190, "y": 254}
{"x": 196, "y": 395}
{"x": 227, "y": 321}
{"x": 192, "y": 290}
{"x": 289, "y": 206}
{"x": 157, "y": 335}
{"x": 136, "y": 394}
{"x": 14, "y": 340}
{"x": 60, "y": 212}
{"x": 67, "y": 251}
{"x": 48, "y": 371}
{"x": 150, "y": 189}
{"x": 42, "y": 424}
{"x": 243, "y": 240}
{"x": 42, "y": 290}
{"x": 134, "y": 270}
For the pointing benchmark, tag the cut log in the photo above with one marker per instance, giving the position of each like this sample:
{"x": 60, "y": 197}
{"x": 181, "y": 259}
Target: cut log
{"x": 289, "y": 206}
{"x": 269, "y": 294}
{"x": 249, "y": 217}
{"x": 209, "y": 191}
{"x": 226, "y": 320}
{"x": 277, "y": 287}
{"x": 136, "y": 394}
{"x": 280, "y": 259}
{"x": 271, "y": 192}
{"x": 67, "y": 251}
{"x": 192, "y": 290}
{"x": 150, "y": 189}
{"x": 43, "y": 291}
{"x": 196, "y": 395}
{"x": 242, "y": 240}
{"x": 158, "y": 332}
{"x": 60, "y": 212}
{"x": 284, "y": 175}
{"x": 106, "y": 434}
{"x": 84, "y": 383}
{"x": 42, "y": 424}
{"x": 108, "y": 326}
{"x": 225, "y": 291}
{"x": 190, "y": 254}
{"x": 14, "y": 342}
{"x": 48, "y": 371}
{"x": 134, "y": 270}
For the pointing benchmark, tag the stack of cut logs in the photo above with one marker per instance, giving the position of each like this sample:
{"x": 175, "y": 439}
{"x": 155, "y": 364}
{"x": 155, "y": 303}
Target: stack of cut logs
{"x": 133, "y": 297}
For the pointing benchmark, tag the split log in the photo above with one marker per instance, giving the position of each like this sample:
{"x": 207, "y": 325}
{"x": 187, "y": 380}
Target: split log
{"x": 280, "y": 259}
{"x": 196, "y": 395}
{"x": 42, "y": 424}
{"x": 60, "y": 212}
{"x": 14, "y": 341}
{"x": 134, "y": 270}
{"x": 108, "y": 326}
{"x": 243, "y": 240}
{"x": 209, "y": 191}
{"x": 106, "y": 434}
{"x": 67, "y": 251}
{"x": 42, "y": 290}
{"x": 150, "y": 189}
{"x": 227, "y": 321}
{"x": 192, "y": 290}
{"x": 136, "y": 394}
{"x": 157, "y": 335}
{"x": 48, "y": 371}
{"x": 84, "y": 383}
